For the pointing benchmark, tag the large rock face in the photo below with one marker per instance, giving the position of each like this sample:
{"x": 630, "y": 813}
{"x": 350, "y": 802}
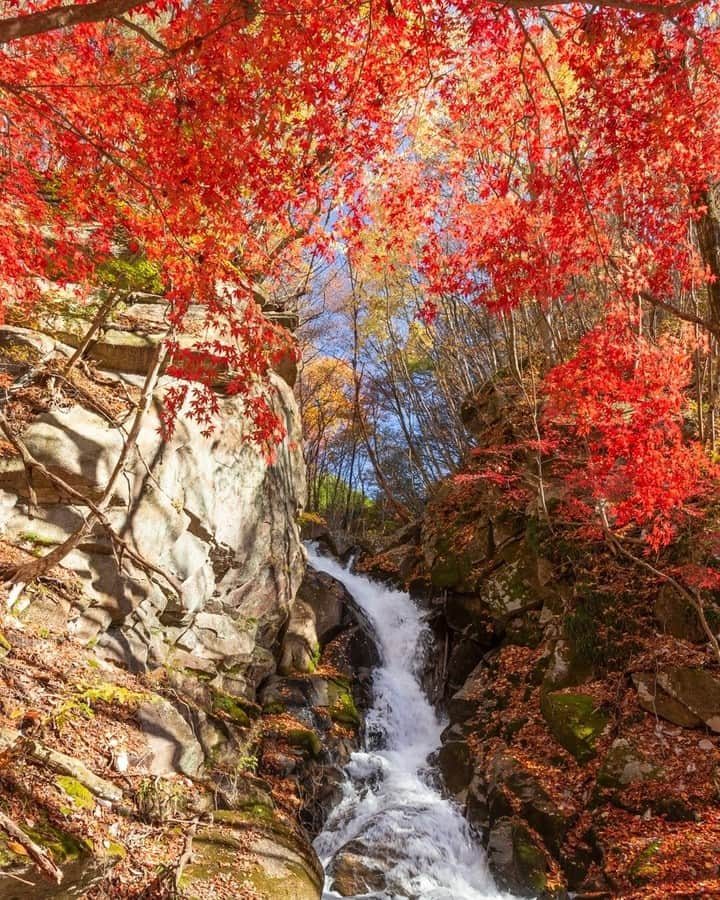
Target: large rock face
{"x": 211, "y": 513}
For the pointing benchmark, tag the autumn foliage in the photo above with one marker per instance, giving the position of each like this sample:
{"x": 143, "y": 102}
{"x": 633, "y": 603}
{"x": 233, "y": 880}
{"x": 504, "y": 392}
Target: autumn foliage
{"x": 506, "y": 154}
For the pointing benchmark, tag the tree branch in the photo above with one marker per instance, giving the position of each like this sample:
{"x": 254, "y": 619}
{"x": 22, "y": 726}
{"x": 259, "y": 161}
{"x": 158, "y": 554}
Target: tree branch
{"x": 64, "y": 17}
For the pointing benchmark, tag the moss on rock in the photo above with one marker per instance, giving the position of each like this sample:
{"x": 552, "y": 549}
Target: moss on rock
{"x": 575, "y": 722}
{"x": 78, "y": 793}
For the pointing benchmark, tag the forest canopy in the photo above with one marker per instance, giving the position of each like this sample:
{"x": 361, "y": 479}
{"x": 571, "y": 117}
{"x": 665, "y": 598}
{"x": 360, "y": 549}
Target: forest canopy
{"x": 499, "y": 186}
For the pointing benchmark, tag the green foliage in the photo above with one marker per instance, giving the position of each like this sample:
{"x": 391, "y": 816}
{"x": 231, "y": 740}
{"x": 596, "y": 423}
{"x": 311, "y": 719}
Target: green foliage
{"x": 333, "y": 493}
{"x": 136, "y": 274}
{"x": 81, "y": 704}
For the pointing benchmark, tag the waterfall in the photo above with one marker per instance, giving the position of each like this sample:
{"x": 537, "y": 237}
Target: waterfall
{"x": 390, "y": 807}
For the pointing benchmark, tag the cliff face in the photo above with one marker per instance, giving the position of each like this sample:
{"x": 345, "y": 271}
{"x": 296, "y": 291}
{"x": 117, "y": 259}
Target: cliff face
{"x": 212, "y": 515}
{"x": 583, "y": 698}
{"x": 130, "y": 673}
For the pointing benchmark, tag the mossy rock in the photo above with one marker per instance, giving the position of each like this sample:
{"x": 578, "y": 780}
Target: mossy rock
{"x": 229, "y": 707}
{"x": 451, "y": 569}
{"x": 575, "y": 722}
{"x": 252, "y": 847}
{"x": 518, "y": 862}
{"x": 304, "y": 739}
{"x": 81, "y": 797}
{"x": 342, "y": 707}
{"x": 63, "y": 846}
{"x": 644, "y": 867}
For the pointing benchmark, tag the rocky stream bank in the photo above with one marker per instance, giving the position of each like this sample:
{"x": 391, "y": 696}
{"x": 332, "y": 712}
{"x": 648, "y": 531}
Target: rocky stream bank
{"x": 179, "y": 696}
{"x": 583, "y": 700}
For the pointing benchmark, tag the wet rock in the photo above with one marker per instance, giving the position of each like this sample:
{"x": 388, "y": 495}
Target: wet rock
{"x": 465, "y": 656}
{"x": 329, "y": 601}
{"x": 655, "y": 700}
{"x": 515, "y": 858}
{"x": 575, "y": 722}
{"x": 468, "y": 615}
{"x": 352, "y": 872}
{"x": 454, "y": 760}
{"x": 464, "y": 703}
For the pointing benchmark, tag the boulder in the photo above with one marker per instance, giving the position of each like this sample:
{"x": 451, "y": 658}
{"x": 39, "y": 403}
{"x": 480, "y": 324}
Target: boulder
{"x": 455, "y": 761}
{"x": 655, "y": 700}
{"x": 676, "y": 617}
{"x": 464, "y": 703}
{"x": 516, "y": 859}
{"x": 624, "y": 764}
{"x": 253, "y": 847}
{"x": 171, "y": 742}
{"x": 697, "y": 689}
{"x": 300, "y": 647}
{"x": 565, "y": 668}
{"x": 509, "y": 778}
{"x": 352, "y": 873}
{"x": 574, "y": 721}
{"x": 328, "y": 599}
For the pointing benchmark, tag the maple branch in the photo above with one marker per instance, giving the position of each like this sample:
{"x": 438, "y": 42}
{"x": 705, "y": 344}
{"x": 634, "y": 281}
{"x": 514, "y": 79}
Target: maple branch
{"x": 64, "y": 17}
{"x": 669, "y": 10}
{"x": 680, "y": 313}
{"x": 693, "y": 598}
{"x": 143, "y": 32}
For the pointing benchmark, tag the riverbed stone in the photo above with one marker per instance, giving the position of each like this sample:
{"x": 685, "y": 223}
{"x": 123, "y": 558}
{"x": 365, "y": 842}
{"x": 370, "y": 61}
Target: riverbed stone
{"x": 516, "y": 859}
{"x": 353, "y": 873}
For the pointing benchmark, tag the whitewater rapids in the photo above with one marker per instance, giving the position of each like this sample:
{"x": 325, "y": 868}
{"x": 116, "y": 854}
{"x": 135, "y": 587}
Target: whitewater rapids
{"x": 390, "y": 803}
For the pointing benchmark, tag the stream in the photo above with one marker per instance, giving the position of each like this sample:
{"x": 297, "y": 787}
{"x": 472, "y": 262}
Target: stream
{"x": 391, "y": 807}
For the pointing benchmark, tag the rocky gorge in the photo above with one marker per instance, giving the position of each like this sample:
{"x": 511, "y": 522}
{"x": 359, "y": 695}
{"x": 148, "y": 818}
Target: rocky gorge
{"x": 191, "y": 709}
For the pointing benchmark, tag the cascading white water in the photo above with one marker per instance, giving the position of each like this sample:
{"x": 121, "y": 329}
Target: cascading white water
{"x": 389, "y": 804}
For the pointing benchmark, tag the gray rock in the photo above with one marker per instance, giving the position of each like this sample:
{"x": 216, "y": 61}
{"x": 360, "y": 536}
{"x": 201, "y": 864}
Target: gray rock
{"x": 172, "y": 745}
{"x": 655, "y": 700}
{"x": 300, "y": 647}
{"x": 213, "y": 514}
{"x": 515, "y": 858}
{"x": 697, "y": 690}
{"x": 676, "y": 617}
{"x": 624, "y": 765}
{"x": 354, "y": 872}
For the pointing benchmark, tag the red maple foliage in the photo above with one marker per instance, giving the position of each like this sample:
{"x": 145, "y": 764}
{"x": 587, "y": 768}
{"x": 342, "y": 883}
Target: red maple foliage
{"x": 616, "y": 410}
